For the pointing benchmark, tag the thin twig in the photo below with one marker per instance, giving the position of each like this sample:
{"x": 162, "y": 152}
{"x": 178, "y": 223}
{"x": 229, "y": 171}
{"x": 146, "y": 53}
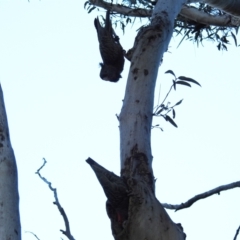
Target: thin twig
{"x": 67, "y": 232}
{"x": 160, "y": 106}
{"x": 33, "y": 234}
{"x": 191, "y": 201}
{"x": 237, "y": 232}
{"x": 167, "y": 94}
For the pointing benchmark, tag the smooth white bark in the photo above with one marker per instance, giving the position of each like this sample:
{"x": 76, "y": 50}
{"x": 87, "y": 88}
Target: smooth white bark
{"x": 147, "y": 219}
{"x": 149, "y": 47}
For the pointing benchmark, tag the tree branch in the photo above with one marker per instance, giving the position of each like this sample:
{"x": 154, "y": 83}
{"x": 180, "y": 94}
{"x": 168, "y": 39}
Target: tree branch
{"x": 237, "y": 232}
{"x": 188, "y": 12}
{"x": 67, "y": 232}
{"x": 230, "y": 6}
{"x": 137, "y": 12}
{"x": 191, "y": 201}
{"x": 194, "y": 14}
{"x": 33, "y": 234}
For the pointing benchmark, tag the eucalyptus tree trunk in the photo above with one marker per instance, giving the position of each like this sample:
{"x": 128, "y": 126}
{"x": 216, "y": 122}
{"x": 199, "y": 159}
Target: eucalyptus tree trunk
{"x": 9, "y": 199}
{"x": 132, "y": 206}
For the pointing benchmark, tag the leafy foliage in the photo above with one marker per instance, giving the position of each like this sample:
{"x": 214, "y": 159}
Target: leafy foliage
{"x": 187, "y": 28}
{"x": 198, "y": 32}
{"x": 164, "y": 110}
{"x": 89, "y": 7}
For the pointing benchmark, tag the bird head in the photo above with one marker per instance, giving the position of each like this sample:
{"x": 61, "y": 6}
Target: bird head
{"x": 109, "y": 73}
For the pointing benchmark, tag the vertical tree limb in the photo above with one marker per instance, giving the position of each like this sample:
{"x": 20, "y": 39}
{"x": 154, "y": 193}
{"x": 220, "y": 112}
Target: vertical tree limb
{"x": 10, "y": 227}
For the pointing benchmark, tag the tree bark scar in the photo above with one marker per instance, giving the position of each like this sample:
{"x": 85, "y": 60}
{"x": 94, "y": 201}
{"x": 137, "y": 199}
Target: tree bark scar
{"x": 136, "y": 167}
{"x": 145, "y": 71}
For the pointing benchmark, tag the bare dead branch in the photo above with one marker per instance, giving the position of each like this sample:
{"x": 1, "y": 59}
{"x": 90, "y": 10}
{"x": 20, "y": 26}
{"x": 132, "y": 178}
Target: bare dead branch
{"x": 33, "y": 234}
{"x": 237, "y": 232}
{"x": 191, "y": 201}
{"x": 67, "y": 232}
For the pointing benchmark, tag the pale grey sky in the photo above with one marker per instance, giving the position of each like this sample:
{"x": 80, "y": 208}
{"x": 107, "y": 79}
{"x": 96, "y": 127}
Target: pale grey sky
{"x": 59, "y": 108}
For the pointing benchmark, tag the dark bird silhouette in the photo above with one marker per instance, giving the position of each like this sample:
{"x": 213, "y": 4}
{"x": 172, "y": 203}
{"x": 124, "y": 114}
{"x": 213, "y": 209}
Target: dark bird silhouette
{"x": 116, "y": 192}
{"x": 111, "y": 50}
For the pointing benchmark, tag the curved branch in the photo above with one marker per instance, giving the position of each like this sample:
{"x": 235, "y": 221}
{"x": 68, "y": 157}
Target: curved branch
{"x": 33, "y": 234}
{"x": 191, "y": 201}
{"x": 67, "y": 232}
{"x": 207, "y": 19}
{"x": 188, "y": 12}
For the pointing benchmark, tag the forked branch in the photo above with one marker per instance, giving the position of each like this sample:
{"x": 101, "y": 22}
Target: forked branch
{"x": 66, "y": 232}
